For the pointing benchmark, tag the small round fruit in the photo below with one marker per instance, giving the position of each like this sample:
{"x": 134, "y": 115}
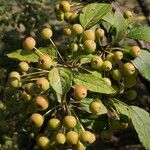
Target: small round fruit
{"x": 131, "y": 94}
{"x": 64, "y": 6}
{"x": 80, "y": 146}
{"x": 72, "y": 137}
{"x": 2, "y": 106}
{"x": 118, "y": 55}
{"x": 67, "y": 31}
{"x": 115, "y": 124}
{"x": 129, "y": 81}
{"x": 128, "y": 68}
{"x": 60, "y": 138}
{"x": 96, "y": 62}
{"x": 80, "y": 92}
{"x": 60, "y": 16}
{"x": 42, "y": 84}
{"x": 105, "y": 135}
{"x": 26, "y": 97}
{"x": 57, "y": 8}
{"x": 135, "y": 51}
{"x": 74, "y": 18}
{"x": 14, "y": 83}
{"x": 95, "y": 106}
{"x": 86, "y": 137}
{"x": 43, "y": 142}
{"x": 107, "y": 65}
{"x": 128, "y": 14}
{"x": 67, "y": 16}
{"x": 30, "y": 88}
{"x": 110, "y": 57}
{"x": 23, "y": 66}
{"x": 37, "y": 120}
{"x": 88, "y": 35}
{"x": 69, "y": 122}
{"x": 116, "y": 74}
{"x": 99, "y": 33}
{"x": 74, "y": 47}
{"x": 41, "y": 102}
{"x": 29, "y": 43}
{"x": 54, "y": 124}
{"x": 77, "y": 29}
{"x": 14, "y": 74}
{"x": 45, "y": 61}
{"x": 89, "y": 46}
{"x": 107, "y": 80}
{"x": 46, "y": 33}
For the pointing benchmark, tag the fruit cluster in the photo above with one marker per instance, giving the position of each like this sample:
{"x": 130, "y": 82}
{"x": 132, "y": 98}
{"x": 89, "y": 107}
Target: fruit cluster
{"x": 57, "y": 122}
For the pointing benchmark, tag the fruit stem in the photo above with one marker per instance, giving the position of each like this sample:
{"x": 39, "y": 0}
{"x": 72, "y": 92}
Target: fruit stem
{"x": 51, "y": 110}
{"x": 38, "y": 51}
{"x": 117, "y": 48}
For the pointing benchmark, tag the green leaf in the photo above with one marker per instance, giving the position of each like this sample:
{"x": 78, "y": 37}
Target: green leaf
{"x": 142, "y": 63}
{"x": 92, "y": 13}
{"x": 119, "y": 28}
{"x": 23, "y": 55}
{"x": 140, "y": 119}
{"x": 93, "y": 83}
{"x": 60, "y": 80}
{"x": 140, "y": 33}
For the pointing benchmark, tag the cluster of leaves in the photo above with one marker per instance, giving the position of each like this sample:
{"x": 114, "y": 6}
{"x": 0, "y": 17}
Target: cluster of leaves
{"x": 59, "y": 73}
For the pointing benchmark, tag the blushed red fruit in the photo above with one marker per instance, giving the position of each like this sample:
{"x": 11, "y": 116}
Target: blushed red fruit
{"x": 54, "y": 124}
{"x": 77, "y": 29}
{"x": 64, "y": 6}
{"x": 96, "y": 62}
{"x": 67, "y": 31}
{"x": 43, "y": 142}
{"x": 135, "y": 51}
{"x": 79, "y": 92}
{"x": 128, "y": 68}
{"x": 23, "y": 66}
{"x": 99, "y": 33}
{"x": 41, "y": 102}
{"x": 107, "y": 80}
{"x": 29, "y": 43}
{"x": 42, "y": 84}
{"x": 88, "y": 35}
{"x": 46, "y": 33}
{"x": 69, "y": 122}
{"x": 72, "y": 137}
{"x": 89, "y": 46}
{"x": 107, "y": 65}
{"x": 37, "y": 120}
{"x": 131, "y": 94}
{"x": 118, "y": 55}
{"x": 86, "y": 137}
{"x": 45, "y": 61}
{"x": 95, "y": 106}
{"x": 60, "y": 138}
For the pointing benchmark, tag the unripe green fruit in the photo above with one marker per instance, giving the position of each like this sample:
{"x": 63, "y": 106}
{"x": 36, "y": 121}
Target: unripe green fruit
{"x": 69, "y": 122}
{"x": 128, "y": 14}
{"x": 118, "y": 55}
{"x": 86, "y": 137}
{"x": 67, "y": 31}
{"x": 74, "y": 18}
{"x": 67, "y": 16}
{"x": 64, "y": 6}
{"x": 99, "y": 33}
{"x": 110, "y": 57}
{"x": 72, "y": 137}
{"x": 95, "y": 106}
{"x": 46, "y": 33}
{"x": 30, "y": 88}
{"x": 107, "y": 65}
{"x": 43, "y": 142}
{"x": 115, "y": 125}
{"x": 57, "y": 8}
{"x": 14, "y": 83}
{"x": 26, "y": 97}
{"x": 14, "y": 74}
{"x": 88, "y": 35}
{"x": 54, "y": 124}
{"x": 79, "y": 92}
{"x": 105, "y": 135}
{"x": 41, "y": 102}
{"x": 42, "y": 84}
{"x": 80, "y": 146}
{"x": 128, "y": 68}
{"x": 45, "y": 61}
{"x": 89, "y": 46}
{"x": 107, "y": 80}
{"x": 74, "y": 47}
{"x": 60, "y": 138}
{"x": 29, "y": 43}
{"x": 37, "y": 120}
{"x": 135, "y": 51}
{"x": 129, "y": 81}
{"x": 60, "y": 16}
{"x": 23, "y": 66}
{"x": 77, "y": 29}
{"x": 116, "y": 74}
{"x": 131, "y": 95}
{"x": 96, "y": 62}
